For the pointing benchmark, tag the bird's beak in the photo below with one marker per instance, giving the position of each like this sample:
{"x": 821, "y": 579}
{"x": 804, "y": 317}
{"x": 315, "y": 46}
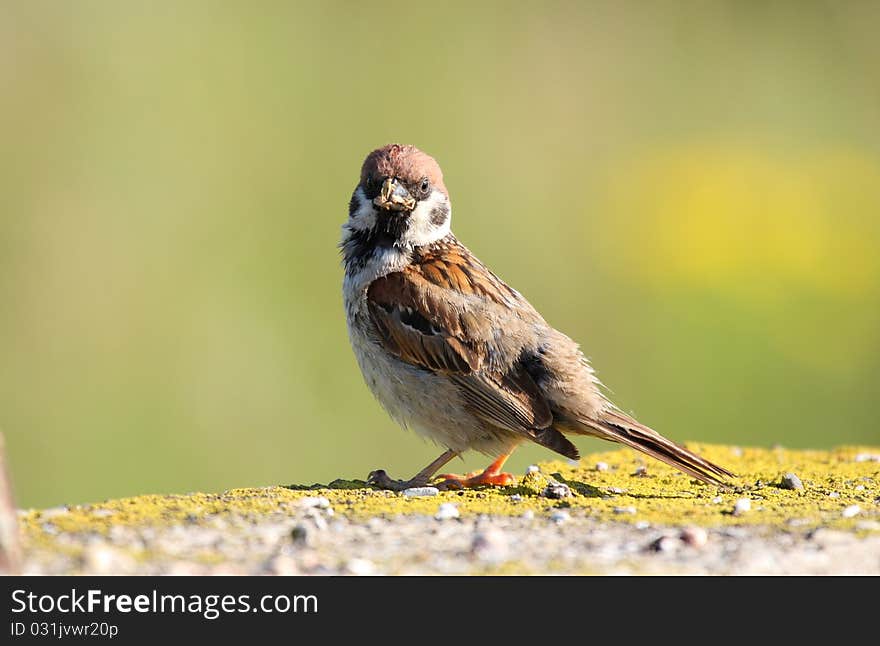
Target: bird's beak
{"x": 394, "y": 197}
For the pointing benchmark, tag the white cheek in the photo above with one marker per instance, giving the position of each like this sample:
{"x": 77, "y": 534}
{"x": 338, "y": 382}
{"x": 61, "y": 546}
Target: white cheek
{"x": 421, "y": 230}
{"x": 365, "y": 216}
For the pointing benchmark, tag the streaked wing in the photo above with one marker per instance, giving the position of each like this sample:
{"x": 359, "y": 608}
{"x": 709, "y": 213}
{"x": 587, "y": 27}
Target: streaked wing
{"x": 446, "y": 313}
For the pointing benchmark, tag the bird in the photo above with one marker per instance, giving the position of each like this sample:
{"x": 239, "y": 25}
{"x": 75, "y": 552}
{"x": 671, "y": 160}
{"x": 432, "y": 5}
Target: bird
{"x": 453, "y": 352}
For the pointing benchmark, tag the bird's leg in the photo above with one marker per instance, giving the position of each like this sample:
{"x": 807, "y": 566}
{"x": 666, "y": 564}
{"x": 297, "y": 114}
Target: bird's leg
{"x": 491, "y": 475}
{"x": 381, "y": 479}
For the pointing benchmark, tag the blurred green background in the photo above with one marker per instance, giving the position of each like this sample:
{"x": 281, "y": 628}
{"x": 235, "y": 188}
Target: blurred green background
{"x": 690, "y": 189}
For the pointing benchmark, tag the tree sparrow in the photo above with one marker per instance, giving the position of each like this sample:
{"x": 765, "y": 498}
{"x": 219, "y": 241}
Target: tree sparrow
{"x": 453, "y": 352}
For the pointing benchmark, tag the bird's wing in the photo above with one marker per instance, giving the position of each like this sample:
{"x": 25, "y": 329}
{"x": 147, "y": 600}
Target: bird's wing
{"x": 447, "y": 313}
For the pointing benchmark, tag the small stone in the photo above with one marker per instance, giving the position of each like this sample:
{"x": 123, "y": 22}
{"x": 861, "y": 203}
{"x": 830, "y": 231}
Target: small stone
{"x": 694, "y": 536}
{"x": 868, "y": 525}
{"x": 834, "y": 494}
{"x": 624, "y": 510}
{"x": 490, "y": 545}
{"x": 360, "y": 567}
{"x": 851, "y": 511}
{"x": 641, "y": 472}
{"x": 319, "y": 502}
{"x": 420, "y": 492}
{"x": 830, "y": 537}
{"x": 532, "y": 468}
{"x": 791, "y": 481}
{"x": 516, "y": 498}
{"x": 616, "y": 490}
{"x": 102, "y": 559}
{"x": 742, "y": 506}
{"x": 282, "y": 565}
{"x": 560, "y": 516}
{"x": 664, "y": 544}
{"x": 447, "y": 511}
{"x": 557, "y": 490}
{"x": 299, "y": 534}
{"x": 317, "y": 519}
{"x": 860, "y": 487}
{"x": 867, "y": 457}
{"x": 717, "y": 500}
{"x": 601, "y": 466}
{"x": 643, "y": 524}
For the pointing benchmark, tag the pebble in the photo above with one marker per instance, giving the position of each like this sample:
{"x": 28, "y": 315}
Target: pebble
{"x": 560, "y": 516}
{"x": 694, "y": 536}
{"x": 741, "y": 506}
{"x": 868, "y": 525}
{"x": 557, "y": 490}
{"x": 641, "y": 472}
{"x": 717, "y": 500}
{"x": 601, "y": 466}
{"x": 643, "y": 524}
{"x": 108, "y": 560}
{"x": 532, "y": 468}
{"x": 860, "y": 487}
{"x": 624, "y": 510}
{"x": 791, "y": 481}
{"x": 852, "y": 510}
{"x": 319, "y": 521}
{"x": 360, "y": 567}
{"x": 420, "y": 492}
{"x": 617, "y": 490}
{"x": 299, "y": 534}
{"x": 282, "y": 565}
{"x": 834, "y": 494}
{"x": 664, "y": 544}
{"x": 447, "y": 511}
{"x": 516, "y": 498}
{"x": 52, "y": 512}
{"x": 867, "y": 457}
{"x": 315, "y": 501}
{"x": 490, "y": 545}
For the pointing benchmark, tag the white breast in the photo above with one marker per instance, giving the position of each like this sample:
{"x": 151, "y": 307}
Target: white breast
{"x": 427, "y": 403}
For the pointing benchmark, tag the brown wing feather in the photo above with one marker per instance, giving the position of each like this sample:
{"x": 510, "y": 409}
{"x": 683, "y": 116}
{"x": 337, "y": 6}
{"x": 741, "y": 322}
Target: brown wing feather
{"x": 618, "y": 427}
{"x": 426, "y": 315}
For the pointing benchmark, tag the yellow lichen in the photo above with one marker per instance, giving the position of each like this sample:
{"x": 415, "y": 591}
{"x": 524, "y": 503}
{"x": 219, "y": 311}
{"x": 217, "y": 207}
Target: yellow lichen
{"x": 833, "y": 480}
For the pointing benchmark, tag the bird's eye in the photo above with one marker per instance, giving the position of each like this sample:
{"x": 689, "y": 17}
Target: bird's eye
{"x": 425, "y": 185}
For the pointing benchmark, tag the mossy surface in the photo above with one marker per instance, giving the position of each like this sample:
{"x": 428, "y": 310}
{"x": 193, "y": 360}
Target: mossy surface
{"x": 833, "y": 481}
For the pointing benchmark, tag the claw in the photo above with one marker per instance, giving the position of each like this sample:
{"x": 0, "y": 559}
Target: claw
{"x": 380, "y": 479}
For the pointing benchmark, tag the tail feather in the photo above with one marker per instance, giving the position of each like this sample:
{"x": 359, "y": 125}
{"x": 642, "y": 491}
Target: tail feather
{"x": 617, "y": 427}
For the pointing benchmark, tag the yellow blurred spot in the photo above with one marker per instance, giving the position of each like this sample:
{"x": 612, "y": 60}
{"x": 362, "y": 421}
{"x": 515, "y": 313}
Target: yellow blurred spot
{"x": 745, "y": 221}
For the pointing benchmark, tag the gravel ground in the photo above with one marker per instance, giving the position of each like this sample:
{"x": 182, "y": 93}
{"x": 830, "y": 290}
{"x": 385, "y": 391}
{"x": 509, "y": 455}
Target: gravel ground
{"x": 788, "y": 512}
{"x": 316, "y": 541}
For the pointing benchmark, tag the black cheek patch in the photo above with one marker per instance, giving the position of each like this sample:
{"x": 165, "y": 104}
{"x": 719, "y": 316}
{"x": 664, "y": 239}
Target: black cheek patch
{"x": 439, "y": 214}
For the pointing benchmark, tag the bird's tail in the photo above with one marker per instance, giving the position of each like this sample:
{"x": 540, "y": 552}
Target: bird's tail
{"x": 618, "y": 427}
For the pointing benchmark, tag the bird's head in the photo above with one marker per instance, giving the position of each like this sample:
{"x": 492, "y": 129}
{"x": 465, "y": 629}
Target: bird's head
{"x": 400, "y": 200}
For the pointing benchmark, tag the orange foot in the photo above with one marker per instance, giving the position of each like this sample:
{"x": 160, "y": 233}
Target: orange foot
{"x": 492, "y": 475}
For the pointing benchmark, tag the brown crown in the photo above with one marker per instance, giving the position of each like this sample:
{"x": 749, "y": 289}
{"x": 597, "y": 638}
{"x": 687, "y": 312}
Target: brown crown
{"x": 405, "y": 162}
